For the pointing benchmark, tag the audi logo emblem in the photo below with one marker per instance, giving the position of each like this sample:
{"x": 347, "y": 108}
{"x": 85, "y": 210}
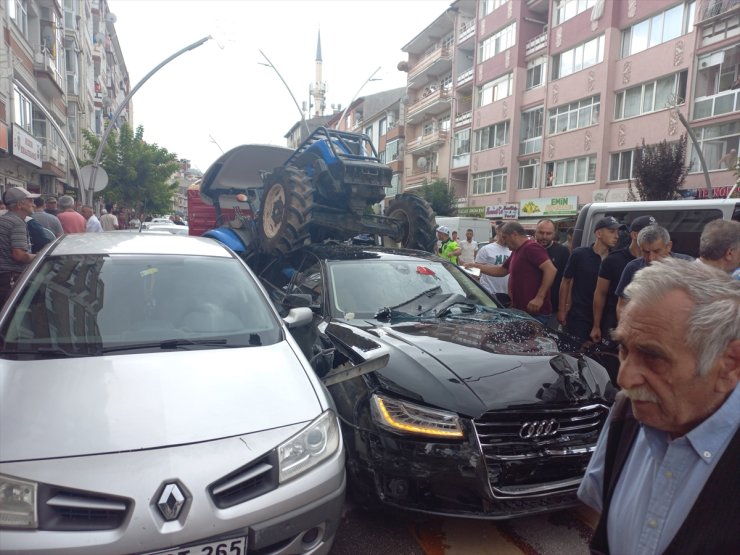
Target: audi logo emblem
{"x": 539, "y": 428}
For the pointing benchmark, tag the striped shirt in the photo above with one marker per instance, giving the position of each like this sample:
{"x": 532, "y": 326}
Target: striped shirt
{"x": 13, "y": 235}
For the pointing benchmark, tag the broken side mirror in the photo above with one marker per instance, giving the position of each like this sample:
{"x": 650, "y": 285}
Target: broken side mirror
{"x": 297, "y": 317}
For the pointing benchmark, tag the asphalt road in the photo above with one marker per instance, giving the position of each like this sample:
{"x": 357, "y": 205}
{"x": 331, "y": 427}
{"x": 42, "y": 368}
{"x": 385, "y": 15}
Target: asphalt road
{"x": 365, "y": 533}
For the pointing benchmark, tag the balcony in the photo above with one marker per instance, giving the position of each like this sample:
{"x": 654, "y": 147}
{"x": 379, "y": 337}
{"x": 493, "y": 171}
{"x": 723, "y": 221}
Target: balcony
{"x": 530, "y": 146}
{"x": 431, "y": 104}
{"x": 464, "y": 119}
{"x": 417, "y": 176}
{"x": 45, "y": 69}
{"x": 460, "y": 161}
{"x": 394, "y": 131}
{"x": 465, "y": 77}
{"x": 715, "y": 8}
{"x": 467, "y": 30}
{"x": 437, "y": 62}
{"x": 716, "y": 105}
{"x": 536, "y": 44}
{"x": 53, "y": 160}
{"x": 427, "y": 141}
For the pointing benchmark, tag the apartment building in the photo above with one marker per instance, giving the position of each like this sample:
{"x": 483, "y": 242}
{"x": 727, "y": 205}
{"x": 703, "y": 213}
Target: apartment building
{"x": 534, "y": 107}
{"x": 61, "y": 70}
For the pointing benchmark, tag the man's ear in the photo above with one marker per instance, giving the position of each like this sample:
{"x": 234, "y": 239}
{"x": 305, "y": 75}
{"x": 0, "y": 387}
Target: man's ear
{"x": 669, "y": 246}
{"x": 729, "y": 367}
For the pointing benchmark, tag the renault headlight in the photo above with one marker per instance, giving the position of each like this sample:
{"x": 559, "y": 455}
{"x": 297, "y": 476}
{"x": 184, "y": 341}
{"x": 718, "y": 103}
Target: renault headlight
{"x": 408, "y": 418}
{"x": 17, "y": 503}
{"x": 316, "y": 442}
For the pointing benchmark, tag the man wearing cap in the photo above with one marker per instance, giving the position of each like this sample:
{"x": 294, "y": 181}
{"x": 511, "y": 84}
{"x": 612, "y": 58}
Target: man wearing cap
{"x": 15, "y": 244}
{"x": 72, "y": 222}
{"x": 655, "y": 243}
{"x": 579, "y": 279}
{"x": 447, "y": 247}
{"x": 605, "y": 298}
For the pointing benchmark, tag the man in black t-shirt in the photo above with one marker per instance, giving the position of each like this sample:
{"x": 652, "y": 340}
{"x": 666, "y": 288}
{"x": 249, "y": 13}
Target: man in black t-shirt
{"x": 545, "y": 235}
{"x": 580, "y": 276}
{"x": 605, "y": 300}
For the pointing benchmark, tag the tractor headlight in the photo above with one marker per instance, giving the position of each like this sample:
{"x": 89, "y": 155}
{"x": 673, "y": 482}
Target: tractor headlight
{"x": 316, "y": 442}
{"x": 408, "y": 418}
{"x": 17, "y": 503}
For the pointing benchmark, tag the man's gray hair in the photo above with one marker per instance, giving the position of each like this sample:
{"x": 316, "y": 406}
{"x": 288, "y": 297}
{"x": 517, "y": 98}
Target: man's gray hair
{"x": 65, "y": 201}
{"x": 714, "y": 320}
{"x": 652, "y": 233}
{"x": 512, "y": 228}
{"x": 718, "y": 237}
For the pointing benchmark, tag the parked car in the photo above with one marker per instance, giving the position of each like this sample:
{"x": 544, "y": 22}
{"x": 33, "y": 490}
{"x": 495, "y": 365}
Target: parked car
{"x": 152, "y": 400}
{"x": 480, "y": 412}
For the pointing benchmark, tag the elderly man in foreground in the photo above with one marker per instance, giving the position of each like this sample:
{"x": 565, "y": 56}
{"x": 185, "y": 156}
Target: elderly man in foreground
{"x": 664, "y": 474}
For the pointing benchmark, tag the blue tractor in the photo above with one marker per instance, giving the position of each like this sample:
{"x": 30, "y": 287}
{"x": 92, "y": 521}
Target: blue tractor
{"x": 323, "y": 190}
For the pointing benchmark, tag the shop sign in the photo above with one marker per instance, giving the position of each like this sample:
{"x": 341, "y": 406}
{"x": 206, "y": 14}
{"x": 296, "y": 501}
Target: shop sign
{"x": 552, "y": 206}
{"x": 26, "y": 147}
{"x": 509, "y": 211}
{"x": 471, "y": 211}
{"x": 717, "y": 192}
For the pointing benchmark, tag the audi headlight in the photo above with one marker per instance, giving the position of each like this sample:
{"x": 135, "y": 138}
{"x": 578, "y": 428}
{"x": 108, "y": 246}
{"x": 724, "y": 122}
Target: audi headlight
{"x": 316, "y": 442}
{"x": 408, "y": 418}
{"x": 17, "y": 503}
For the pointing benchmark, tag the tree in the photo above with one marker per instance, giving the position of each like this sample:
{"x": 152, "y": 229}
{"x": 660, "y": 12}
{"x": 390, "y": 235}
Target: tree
{"x": 138, "y": 172}
{"x": 440, "y": 196}
{"x": 660, "y": 170}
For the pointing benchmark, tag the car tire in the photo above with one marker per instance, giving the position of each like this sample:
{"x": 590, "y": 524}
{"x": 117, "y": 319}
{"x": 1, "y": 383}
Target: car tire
{"x": 287, "y": 204}
{"x": 417, "y": 218}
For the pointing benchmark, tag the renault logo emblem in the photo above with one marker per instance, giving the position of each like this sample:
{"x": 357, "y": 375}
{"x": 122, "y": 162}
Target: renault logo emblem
{"x": 539, "y": 428}
{"x": 171, "y": 501}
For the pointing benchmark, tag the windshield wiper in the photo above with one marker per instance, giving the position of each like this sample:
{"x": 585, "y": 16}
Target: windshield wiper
{"x": 444, "y": 307}
{"x": 412, "y": 299}
{"x": 170, "y": 344}
{"x": 50, "y": 352}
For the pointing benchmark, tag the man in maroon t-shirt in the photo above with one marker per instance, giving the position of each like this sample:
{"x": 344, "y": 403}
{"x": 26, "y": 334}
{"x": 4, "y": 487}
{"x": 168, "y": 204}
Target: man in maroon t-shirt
{"x": 531, "y": 270}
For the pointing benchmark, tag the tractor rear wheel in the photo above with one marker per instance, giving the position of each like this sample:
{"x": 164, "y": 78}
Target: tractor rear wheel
{"x": 287, "y": 204}
{"x": 417, "y": 219}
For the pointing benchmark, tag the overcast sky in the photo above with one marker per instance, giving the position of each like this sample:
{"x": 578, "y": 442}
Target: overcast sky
{"x": 226, "y": 93}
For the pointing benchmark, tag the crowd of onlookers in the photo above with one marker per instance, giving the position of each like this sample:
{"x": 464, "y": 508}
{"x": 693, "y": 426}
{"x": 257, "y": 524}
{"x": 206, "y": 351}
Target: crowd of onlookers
{"x": 579, "y": 290}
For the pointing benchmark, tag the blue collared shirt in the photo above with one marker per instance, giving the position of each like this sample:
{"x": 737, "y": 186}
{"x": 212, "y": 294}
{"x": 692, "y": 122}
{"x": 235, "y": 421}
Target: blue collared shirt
{"x": 660, "y": 481}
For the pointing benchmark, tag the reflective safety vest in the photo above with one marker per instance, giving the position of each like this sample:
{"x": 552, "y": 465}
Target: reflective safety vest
{"x": 446, "y": 248}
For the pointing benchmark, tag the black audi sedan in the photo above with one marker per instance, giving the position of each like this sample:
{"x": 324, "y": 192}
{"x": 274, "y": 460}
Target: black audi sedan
{"x": 480, "y": 412}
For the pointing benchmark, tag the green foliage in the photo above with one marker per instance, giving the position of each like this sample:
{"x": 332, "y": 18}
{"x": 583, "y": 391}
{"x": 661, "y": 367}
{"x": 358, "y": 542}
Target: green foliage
{"x": 139, "y": 173}
{"x": 440, "y": 196}
{"x": 660, "y": 170}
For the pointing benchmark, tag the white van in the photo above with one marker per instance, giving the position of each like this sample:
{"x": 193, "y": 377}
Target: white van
{"x": 481, "y": 227}
{"x": 684, "y": 219}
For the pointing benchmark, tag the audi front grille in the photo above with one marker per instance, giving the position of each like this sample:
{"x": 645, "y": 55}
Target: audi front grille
{"x": 534, "y": 452}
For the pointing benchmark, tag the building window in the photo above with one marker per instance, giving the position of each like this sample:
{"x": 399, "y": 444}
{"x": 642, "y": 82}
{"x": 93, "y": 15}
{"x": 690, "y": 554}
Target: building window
{"x": 381, "y": 156}
{"x": 531, "y": 131}
{"x": 487, "y": 6}
{"x": 73, "y": 78}
{"x": 720, "y": 30}
{"x": 718, "y": 83}
{"x": 719, "y": 145}
{"x": 565, "y": 9}
{"x": 382, "y": 127}
{"x": 22, "y": 110}
{"x": 391, "y": 150}
{"x": 651, "y": 96}
{"x": 658, "y": 29}
{"x": 18, "y": 11}
{"x": 462, "y": 143}
{"x": 572, "y": 171}
{"x": 487, "y": 183}
{"x": 495, "y": 90}
{"x": 429, "y": 127}
{"x": 575, "y": 115}
{"x": 528, "y": 173}
{"x": 369, "y": 131}
{"x": 582, "y": 56}
{"x": 444, "y": 123}
{"x": 72, "y": 122}
{"x": 497, "y": 43}
{"x": 492, "y": 136}
{"x": 536, "y": 72}
{"x": 621, "y": 165}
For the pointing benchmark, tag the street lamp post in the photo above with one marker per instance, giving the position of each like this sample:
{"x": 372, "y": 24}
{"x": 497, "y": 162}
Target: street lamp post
{"x": 341, "y": 118}
{"x": 303, "y": 117}
{"x": 123, "y": 104}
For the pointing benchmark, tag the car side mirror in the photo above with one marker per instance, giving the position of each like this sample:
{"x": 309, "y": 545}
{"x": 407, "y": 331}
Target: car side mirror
{"x": 298, "y": 317}
{"x": 294, "y": 300}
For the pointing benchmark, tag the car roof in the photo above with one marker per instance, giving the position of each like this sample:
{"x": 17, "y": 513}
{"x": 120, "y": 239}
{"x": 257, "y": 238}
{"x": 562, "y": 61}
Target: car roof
{"x": 137, "y": 243}
{"x": 329, "y": 251}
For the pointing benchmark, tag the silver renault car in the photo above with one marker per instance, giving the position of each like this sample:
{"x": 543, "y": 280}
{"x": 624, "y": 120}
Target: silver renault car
{"x": 153, "y": 401}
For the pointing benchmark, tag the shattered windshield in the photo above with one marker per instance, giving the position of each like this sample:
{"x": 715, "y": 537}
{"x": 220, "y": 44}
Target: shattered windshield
{"x": 413, "y": 287}
{"x": 88, "y": 305}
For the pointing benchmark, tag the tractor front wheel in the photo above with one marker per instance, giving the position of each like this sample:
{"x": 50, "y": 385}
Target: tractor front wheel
{"x": 287, "y": 204}
{"x": 417, "y": 221}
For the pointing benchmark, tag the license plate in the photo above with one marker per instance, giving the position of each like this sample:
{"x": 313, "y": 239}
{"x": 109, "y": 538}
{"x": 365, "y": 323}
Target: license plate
{"x": 234, "y": 546}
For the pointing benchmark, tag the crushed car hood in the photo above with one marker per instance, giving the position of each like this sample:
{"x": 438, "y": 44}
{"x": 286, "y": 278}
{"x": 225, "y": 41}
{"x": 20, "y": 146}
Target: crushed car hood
{"x": 485, "y": 362}
{"x": 123, "y": 402}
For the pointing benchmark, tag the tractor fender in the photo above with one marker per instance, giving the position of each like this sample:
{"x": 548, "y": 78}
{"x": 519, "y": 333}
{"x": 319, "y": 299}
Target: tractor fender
{"x": 228, "y": 237}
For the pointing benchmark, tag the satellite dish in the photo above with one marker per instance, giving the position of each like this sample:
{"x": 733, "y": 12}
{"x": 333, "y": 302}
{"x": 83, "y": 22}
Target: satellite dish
{"x": 421, "y": 162}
